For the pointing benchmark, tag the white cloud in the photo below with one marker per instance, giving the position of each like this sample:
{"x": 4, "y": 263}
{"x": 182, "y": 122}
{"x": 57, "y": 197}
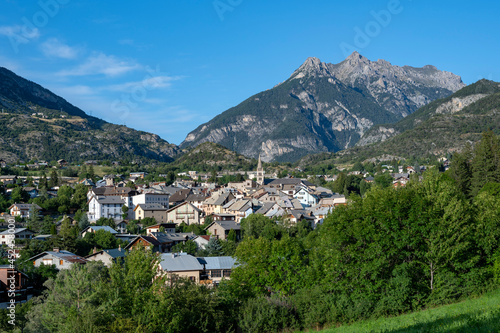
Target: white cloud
{"x": 149, "y": 83}
{"x": 79, "y": 90}
{"x": 54, "y": 48}
{"x": 102, "y": 64}
{"x": 19, "y": 32}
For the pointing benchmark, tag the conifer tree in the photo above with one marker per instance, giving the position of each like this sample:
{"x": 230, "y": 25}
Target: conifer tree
{"x": 485, "y": 164}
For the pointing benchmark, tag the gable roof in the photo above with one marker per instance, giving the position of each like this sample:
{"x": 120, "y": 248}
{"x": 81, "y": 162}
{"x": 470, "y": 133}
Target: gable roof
{"x": 100, "y": 227}
{"x": 22, "y": 206}
{"x": 180, "y": 195}
{"x": 290, "y": 181}
{"x": 212, "y": 263}
{"x": 266, "y": 207}
{"x": 168, "y": 237}
{"x": 226, "y": 225}
{"x": 113, "y": 253}
{"x": 151, "y": 207}
{"x": 16, "y": 231}
{"x": 63, "y": 255}
{"x": 196, "y": 197}
{"x": 178, "y": 262}
{"x": 240, "y": 205}
{"x": 149, "y": 239}
{"x": 183, "y": 204}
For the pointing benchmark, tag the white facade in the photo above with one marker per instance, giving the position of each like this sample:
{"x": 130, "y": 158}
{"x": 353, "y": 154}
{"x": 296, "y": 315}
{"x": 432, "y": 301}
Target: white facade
{"x": 149, "y": 198}
{"x": 9, "y": 236}
{"x": 305, "y": 198}
{"x": 108, "y": 207}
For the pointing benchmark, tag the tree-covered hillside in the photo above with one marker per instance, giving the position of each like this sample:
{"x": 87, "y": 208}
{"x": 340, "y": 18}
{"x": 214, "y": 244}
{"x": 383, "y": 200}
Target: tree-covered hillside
{"x": 37, "y": 124}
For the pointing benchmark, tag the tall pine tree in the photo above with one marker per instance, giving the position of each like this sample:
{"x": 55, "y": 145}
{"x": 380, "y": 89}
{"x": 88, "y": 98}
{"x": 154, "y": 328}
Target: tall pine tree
{"x": 485, "y": 164}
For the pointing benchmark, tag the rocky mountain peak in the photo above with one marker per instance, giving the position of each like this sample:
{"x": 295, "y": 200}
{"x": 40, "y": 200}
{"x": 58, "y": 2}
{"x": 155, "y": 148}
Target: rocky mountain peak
{"x": 355, "y": 59}
{"x": 324, "y": 107}
{"x": 312, "y": 66}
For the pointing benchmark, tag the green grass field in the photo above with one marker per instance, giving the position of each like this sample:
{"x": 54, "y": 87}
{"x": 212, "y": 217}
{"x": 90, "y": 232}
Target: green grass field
{"x": 474, "y": 315}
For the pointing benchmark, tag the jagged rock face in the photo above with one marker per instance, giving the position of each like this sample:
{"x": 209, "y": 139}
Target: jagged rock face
{"x": 324, "y": 108}
{"x": 383, "y": 132}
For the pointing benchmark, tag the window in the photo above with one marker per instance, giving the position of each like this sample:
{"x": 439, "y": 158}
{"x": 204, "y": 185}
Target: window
{"x": 61, "y": 262}
{"x": 227, "y": 273}
{"x": 216, "y": 273}
{"x": 47, "y": 262}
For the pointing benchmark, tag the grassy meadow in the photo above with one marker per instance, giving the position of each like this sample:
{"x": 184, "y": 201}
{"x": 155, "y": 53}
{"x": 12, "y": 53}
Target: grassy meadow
{"x": 474, "y": 315}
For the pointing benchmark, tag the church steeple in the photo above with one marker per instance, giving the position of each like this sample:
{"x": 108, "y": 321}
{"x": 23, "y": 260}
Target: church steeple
{"x": 260, "y": 172}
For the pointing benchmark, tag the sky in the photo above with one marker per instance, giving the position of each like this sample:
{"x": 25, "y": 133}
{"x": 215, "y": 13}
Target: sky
{"x": 167, "y": 67}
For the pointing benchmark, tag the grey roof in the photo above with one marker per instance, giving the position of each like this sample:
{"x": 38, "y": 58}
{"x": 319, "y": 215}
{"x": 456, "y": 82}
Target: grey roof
{"x": 62, "y": 254}
{"x": 111, "y": 200}
{"x": 166, "y": 237}
{"x": 16, "y": 231}
{"x": 196, "y": 197}
{"x": 320, "y": 210}
{"x": 178, "y": 262}
{"x": 218, "y": 262}
{"x": 266, "y": 207}
{"x": 171, "y": 189}
{"x": 227, "y": 225}
{"x": 113, "y": 253}
{"x": 101, "y": 227}
{"x": 290, "y": 181}
{"x": 218, "y": 199}
{"x": 42, "y": 237}
{"x": 180, "y": 195}
{"x": 240, "y": 205}
{"x": 26, "y": 206}
{"x": 185, "y": 203}
{"x": 116, "y": 253}
{"x": 229, "y": 204}
{"x": 301, "y": 214}
{"x": 151, "y": 207}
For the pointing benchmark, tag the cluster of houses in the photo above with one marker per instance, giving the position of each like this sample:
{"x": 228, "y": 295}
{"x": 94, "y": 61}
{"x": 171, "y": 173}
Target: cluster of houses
{"x": 185, "y": 202}
{"x": 189, "y": 203}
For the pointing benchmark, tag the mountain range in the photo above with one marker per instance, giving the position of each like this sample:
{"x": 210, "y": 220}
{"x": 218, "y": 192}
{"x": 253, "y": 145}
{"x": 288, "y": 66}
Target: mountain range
{"x": 324, "y": 107}
{"x": 440, "y": 128}
{"x": 355, "y": 110}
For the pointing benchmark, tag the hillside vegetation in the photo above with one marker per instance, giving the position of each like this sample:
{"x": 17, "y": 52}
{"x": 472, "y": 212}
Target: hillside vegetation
{"x": 475, "y": 315}
{"x": 439, "y": 129}
{"x": 36, "y": 124}
{"x": 213, "y": 157}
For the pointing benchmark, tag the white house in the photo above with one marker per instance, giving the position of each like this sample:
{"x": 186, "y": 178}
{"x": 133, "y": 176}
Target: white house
{"x": 306, "y": 197}
{"x": 23, "y": 210}
{"x": 60, "y": 258}
{"x": 149, "y": 198}
{"x": 9, "y": 236}
{"x": 108, "y": 207}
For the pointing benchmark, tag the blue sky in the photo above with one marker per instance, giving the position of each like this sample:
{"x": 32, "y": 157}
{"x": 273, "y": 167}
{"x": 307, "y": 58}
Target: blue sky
{"x": 168, "y": 66}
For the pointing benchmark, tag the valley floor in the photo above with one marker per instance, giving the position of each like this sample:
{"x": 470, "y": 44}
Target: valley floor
{"x": 474, "y": 315}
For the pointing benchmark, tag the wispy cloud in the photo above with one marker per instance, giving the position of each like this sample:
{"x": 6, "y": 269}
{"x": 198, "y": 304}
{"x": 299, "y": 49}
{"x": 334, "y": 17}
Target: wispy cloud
{"x": 56, "y": 49}
{"x": 156, "y": 82}
{"x": 79, "y": 90}
{"x": 19, "y": 32}
{"x": 102, "y": 64}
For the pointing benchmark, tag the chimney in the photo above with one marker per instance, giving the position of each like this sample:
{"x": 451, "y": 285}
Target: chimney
{"x": 56, "y": 249}
{"x": 119, "y": 248}
{"x": 95, "y": 250}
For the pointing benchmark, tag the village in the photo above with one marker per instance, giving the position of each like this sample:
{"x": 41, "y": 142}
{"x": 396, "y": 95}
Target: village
{"x": 182, "y": 222}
